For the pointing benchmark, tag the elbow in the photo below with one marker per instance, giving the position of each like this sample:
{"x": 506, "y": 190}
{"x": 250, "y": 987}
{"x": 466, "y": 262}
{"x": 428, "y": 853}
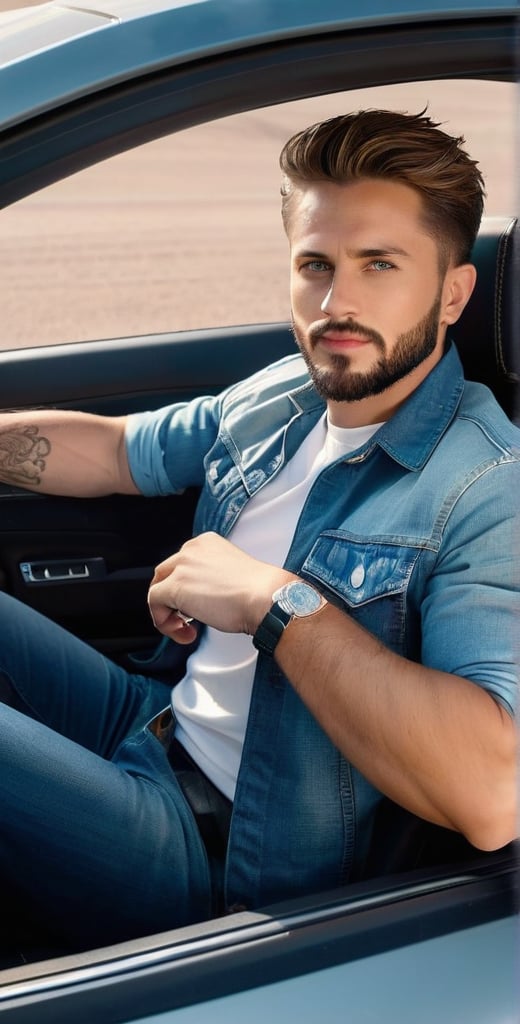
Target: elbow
{"x": 495, "y": 805}
{"x": 498, "y": 827}
{"x": 492, "y": 839}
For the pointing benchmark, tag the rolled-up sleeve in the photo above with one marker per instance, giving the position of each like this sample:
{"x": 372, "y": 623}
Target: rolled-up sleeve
{"x": 166, "y": 448}
{"x": 471, "y": 613}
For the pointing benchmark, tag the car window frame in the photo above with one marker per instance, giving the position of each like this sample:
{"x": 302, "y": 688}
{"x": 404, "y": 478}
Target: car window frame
{"x": 42, "y": 150}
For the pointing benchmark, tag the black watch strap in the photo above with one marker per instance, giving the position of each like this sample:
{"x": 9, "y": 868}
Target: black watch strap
{"x": 270, "y": 629}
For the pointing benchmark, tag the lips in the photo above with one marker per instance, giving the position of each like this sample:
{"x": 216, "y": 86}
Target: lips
{"x": 340, "y": 342}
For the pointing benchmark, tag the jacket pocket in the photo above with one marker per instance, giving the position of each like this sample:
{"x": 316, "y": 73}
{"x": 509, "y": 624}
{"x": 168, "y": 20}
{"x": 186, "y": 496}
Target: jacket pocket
{"x": 368, "y": 579}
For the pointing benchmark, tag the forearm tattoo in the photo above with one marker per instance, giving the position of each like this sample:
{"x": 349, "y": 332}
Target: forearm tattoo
{"x": 22, "y": 455}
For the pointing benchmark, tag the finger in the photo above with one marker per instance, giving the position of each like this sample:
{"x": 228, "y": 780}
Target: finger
{"x": 168, "y": 622}
{"x": 161, "y": 614}
{"x": 159, "y": 611}
{"x": 161, "y": 601}
{"x": 178, "y": 630}
{"x": 164, "y": 569}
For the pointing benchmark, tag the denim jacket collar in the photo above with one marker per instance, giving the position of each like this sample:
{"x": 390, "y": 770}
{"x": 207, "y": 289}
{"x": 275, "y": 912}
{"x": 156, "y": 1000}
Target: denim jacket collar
{"x": 411, "y": 435}
{"x": 413, "y": 432}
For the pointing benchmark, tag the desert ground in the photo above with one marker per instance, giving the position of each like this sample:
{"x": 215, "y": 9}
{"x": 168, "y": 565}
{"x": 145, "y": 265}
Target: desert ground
{"x": 185, "y": 232}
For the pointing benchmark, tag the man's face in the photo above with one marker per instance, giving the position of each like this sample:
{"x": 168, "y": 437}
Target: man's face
{"x": 366, "y": 294}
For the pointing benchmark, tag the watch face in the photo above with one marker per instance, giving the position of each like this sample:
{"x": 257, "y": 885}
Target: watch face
{"x": 300, "y": 598}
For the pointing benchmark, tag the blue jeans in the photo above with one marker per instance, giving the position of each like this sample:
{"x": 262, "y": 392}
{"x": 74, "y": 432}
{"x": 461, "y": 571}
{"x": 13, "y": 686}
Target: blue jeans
{"x": 97, "y": 842}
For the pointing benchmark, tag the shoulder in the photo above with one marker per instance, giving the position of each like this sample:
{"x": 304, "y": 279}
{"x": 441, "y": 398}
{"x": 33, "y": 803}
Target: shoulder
{"x": 480, "y": 416}
{"x": 287, "y": 375}
{"x": 479, "y": 438}
{"x": 479, "y": 460}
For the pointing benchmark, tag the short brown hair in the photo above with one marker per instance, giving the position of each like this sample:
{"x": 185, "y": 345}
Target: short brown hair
{"x": 409, "y": 148}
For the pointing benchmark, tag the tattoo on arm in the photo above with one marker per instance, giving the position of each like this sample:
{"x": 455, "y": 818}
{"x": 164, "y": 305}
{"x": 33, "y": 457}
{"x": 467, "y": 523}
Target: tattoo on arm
{"x": 22, "y": 456}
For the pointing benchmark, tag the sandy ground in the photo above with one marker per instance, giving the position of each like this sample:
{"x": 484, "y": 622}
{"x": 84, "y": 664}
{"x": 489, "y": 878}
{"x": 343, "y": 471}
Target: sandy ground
{"x": 185, "y": 232}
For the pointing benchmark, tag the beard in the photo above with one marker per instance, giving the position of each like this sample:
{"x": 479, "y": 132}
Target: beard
{"x": 338, "y": 383}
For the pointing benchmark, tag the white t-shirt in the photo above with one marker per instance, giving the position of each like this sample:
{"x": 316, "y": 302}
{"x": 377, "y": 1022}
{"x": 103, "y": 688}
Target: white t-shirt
{"x": 211, "y": 703}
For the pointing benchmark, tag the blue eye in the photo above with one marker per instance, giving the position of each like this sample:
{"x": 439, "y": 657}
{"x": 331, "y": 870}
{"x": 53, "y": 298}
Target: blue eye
{"x": 380, "y": 265}
{"x": 317, "y": 266}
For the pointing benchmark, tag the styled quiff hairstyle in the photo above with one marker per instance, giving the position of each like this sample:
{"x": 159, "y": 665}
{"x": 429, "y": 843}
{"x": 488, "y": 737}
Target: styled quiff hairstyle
{"x": 408, "y": 148}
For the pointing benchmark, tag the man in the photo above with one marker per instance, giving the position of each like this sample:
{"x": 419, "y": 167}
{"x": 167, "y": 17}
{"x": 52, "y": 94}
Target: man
{"x": 351, "y": 583}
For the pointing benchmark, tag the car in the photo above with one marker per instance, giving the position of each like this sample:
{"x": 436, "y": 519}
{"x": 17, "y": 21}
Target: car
{"x": 80, "y": 85}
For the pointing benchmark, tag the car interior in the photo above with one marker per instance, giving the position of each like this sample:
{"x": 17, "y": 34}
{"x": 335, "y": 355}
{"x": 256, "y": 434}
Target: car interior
{"x": 80, "y": 584}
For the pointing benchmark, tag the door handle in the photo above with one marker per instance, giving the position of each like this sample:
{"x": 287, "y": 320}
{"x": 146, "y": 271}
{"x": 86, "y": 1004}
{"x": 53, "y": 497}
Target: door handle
{"x": 77, "y": 570}
{"x": 62, "y": 570}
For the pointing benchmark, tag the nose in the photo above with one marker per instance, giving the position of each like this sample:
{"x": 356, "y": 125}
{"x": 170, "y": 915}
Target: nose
{"x": 340, "y": 301}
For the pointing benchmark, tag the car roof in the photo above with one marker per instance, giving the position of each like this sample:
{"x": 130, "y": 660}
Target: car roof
{"x": 54, "y": 53}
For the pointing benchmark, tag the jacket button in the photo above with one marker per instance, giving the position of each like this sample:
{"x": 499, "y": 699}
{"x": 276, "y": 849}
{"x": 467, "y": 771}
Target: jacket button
{"x": 357, "y": 577}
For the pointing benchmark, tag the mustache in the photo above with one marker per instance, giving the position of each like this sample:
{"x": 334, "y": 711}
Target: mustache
{"x": 345, "y": 327}
{"x": 348, "y": 326}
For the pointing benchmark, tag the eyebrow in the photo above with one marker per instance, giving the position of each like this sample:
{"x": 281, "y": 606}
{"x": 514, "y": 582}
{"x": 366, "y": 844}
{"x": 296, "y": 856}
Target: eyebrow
{"x": 358, "y": 254}
{"x": 387, "y": 250}
{"x": 310, "y": 254}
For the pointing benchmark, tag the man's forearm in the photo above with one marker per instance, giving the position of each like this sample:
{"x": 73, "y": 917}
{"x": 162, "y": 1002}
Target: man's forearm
{"x": 61, "y": 452}
{"x": 437, "y": 744}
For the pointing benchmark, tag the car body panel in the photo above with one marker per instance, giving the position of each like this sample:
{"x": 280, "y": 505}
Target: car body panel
{"x": 367, "y": 954}
{"x": 447, "y": 977}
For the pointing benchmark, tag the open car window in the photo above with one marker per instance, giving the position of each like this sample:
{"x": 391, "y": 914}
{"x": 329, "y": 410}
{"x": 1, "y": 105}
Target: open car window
{"x": 185, "y": 233}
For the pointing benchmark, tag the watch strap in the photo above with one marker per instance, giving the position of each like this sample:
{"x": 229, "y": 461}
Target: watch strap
{"x": 270, "y": 629}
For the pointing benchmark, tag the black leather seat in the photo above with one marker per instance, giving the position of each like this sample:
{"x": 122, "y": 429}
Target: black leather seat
{"x": 488, "y": 333}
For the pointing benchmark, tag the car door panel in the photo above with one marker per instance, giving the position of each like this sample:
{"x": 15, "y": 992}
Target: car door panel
{"x": 129, "y": 374}
{"x": 87, "y": 563}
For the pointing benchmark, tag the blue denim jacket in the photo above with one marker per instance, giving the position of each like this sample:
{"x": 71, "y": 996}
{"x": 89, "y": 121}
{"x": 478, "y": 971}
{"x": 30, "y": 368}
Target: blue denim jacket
{"x": 415, "y": 535}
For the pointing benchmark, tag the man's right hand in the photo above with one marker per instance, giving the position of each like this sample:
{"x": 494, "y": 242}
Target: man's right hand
{"x": 213, "y": 581}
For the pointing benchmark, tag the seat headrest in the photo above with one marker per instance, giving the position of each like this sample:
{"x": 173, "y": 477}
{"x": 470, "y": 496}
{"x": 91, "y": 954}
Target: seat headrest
{"x": 488, "y": 333}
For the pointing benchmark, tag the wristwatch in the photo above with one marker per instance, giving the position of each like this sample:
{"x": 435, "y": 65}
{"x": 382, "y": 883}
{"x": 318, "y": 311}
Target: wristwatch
{"x": 296, "y": 599}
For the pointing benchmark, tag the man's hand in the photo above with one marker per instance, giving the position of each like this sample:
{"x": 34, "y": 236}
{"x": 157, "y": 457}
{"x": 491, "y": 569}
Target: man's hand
{"x": 212, "y": 581}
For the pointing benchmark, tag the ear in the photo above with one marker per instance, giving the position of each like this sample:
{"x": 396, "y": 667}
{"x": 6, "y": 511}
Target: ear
{"x": 456, "y": 291}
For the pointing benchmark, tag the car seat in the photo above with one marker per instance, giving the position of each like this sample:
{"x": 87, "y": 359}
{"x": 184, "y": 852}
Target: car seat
{"x": 488, "y": 333}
